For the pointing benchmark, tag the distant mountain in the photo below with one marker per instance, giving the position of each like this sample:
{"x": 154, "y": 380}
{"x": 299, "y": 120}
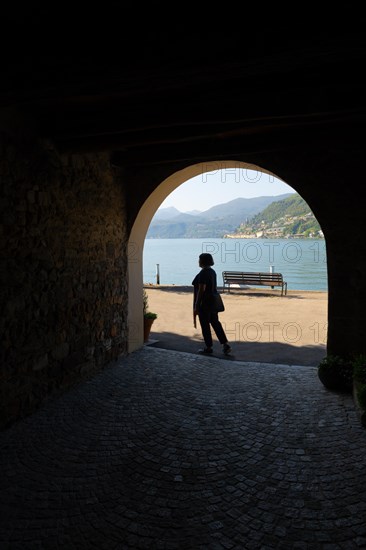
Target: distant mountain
{"x": 288, "y": 217}
{"x": 169, "y": 223}
{"x": 171, "y": 213}
{"x": 239, "y": 209}
{"x": 166, "y": 213}
{"x": 193, "y": 212}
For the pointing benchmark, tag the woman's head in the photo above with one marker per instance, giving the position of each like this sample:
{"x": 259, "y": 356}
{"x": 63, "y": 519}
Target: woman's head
{"x": 205, "y": 260}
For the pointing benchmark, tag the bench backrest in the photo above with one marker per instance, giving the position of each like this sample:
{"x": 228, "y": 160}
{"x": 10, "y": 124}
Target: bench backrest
{"x": 252, "y": 277}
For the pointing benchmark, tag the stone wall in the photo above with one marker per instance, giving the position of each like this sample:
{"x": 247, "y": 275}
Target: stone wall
{"x": 62, "y": 272}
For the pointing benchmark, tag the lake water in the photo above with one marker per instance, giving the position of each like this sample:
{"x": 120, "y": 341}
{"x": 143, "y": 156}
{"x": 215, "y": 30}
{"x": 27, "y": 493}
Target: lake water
{"x": 302, "y": 262}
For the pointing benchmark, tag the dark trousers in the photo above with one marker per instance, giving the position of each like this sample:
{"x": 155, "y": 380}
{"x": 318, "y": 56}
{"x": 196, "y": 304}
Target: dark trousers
{"x": 210, "y": 319}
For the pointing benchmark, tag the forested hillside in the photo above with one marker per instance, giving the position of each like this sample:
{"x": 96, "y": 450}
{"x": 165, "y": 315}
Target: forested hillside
{"x": 284, "y": 218}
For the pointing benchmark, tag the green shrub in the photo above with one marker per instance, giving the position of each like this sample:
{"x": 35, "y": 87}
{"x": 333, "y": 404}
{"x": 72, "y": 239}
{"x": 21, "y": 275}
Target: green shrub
{"x": 361, "y": 396}
{"x": 359, "y": 368}
{"x": 330, "y": 362}
{"x": 336, "y": 373}
{"x": 150, "y": 315}
{"x": 338, "y": 365}
{"x": 145, "y": 301}
{"x": 147, "y": 314}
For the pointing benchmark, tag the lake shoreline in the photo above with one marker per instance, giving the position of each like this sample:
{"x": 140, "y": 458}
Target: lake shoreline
{"x": 233, "y": 290}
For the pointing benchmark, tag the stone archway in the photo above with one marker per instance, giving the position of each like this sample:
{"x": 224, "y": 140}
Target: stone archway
{"x": 140, "y": 228}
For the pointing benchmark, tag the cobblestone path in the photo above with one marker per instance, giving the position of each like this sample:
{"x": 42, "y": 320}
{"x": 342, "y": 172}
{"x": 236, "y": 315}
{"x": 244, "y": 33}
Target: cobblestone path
{"x": 168, "y": 450}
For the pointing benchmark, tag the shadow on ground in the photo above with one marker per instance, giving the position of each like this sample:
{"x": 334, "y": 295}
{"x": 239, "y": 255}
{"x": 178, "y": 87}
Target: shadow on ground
{"x": 261, "y": 352}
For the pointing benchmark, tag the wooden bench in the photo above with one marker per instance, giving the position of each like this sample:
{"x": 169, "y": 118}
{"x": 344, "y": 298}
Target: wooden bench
{"x": 255, "y": 279}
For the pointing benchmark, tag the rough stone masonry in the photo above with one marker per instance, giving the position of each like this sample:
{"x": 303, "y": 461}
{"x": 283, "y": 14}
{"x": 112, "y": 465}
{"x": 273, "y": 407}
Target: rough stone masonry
{"x": 63, "y": 265}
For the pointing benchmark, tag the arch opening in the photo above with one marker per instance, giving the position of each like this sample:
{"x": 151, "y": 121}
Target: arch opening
{"x": 137, "y": 241}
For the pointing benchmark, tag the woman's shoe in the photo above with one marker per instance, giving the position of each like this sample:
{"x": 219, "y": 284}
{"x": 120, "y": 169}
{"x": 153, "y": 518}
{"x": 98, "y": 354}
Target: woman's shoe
{"x": 205, "y": 351}
{"x": 226, "y": 349}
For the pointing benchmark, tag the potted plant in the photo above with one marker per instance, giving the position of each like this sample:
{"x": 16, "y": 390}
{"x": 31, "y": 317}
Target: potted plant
{"x": 359, "y": 385}
{"x": 149, "y": 317}
{"x": 336, "y": 373}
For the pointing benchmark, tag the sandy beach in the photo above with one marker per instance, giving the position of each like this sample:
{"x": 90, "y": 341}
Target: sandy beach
{"x": 261, "y": 325}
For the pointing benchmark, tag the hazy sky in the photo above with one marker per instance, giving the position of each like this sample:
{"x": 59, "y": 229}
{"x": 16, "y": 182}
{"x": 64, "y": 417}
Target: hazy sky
{"x": 211, "y": 188}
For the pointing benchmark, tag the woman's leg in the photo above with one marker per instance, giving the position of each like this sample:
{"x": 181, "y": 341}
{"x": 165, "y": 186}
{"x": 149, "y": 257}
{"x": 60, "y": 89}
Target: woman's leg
{"x": 204, "y": 318}
{"x": 217, "y": 326}
{"x": 220, "y": 333}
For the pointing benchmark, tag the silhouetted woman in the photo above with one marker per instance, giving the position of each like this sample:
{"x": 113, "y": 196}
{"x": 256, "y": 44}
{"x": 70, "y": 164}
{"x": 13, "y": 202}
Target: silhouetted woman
{"x": 205, "y": 286}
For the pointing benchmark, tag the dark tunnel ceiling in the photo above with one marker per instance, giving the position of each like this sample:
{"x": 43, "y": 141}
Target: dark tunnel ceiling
{"x": 135, "y": 86}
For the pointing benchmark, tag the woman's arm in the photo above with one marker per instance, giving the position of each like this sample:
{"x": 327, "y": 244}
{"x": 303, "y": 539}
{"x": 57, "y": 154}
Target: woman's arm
{"x": 201, "y": 289}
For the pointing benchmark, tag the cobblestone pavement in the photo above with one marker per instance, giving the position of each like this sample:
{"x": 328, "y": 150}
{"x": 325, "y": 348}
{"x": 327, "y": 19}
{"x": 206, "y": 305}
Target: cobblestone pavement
{"x": 168, "y": 450}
